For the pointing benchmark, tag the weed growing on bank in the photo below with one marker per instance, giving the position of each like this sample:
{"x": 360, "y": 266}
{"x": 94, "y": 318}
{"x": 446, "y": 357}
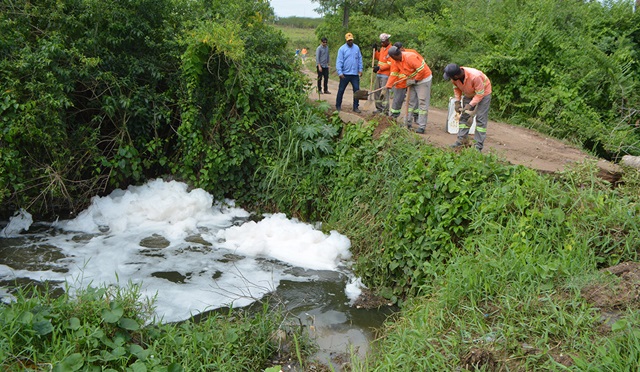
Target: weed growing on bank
{"x": 113, "y": 329}
{"x": 489, "y": 261}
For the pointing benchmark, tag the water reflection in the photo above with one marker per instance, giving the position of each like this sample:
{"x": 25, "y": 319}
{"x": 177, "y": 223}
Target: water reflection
{"x": 194, "y": 256}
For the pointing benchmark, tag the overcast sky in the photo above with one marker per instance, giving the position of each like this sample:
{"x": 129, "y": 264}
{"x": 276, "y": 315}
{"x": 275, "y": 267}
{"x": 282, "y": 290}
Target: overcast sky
{"x": 298, "y": 8}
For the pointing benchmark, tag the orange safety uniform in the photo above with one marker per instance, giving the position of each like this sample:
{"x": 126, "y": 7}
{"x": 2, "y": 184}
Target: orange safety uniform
{"x": 403, "y": 84}
{"x": 412, "y": 66}
{"x": 476, "y": 84}
{"x": 384, "y": 61}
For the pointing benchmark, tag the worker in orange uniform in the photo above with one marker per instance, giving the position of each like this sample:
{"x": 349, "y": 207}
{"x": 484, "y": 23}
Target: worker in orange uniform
{"x": 472, "y": 90}
{"x": 400, "y": 90}
{"x": 412, "y": 66}
{"x": 382, "y": 71}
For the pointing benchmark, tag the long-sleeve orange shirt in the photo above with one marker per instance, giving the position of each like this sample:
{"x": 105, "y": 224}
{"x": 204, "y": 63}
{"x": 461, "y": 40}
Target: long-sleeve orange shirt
{"x": 402, "y": 84}
{"x": 384, "y": 61}
{"x": 412, "y": 66}
{"x": 476, "y": 84}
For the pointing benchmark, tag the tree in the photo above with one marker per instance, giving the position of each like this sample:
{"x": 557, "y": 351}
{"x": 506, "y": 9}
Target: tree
{"x": 375, "y": 8}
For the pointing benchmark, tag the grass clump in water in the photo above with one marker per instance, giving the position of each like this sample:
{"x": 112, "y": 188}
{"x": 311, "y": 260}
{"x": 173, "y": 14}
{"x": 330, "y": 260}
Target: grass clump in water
{"x": 112, "y": 328}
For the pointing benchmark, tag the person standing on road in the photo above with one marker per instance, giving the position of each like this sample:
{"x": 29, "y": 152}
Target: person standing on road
{"x": 349, "y": 69}
{"x": 472, "y": 91}
{"x": 382, "y": 71}
{"x": 400, "y": 90}
{"x": 303, "y": 53}
{"x": 418, "y": 75}
{"x": 322, "y": 66}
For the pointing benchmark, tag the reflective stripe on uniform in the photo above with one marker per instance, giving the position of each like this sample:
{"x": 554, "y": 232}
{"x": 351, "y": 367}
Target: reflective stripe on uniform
{"x": 418, "y": 69}
{"x": 484, "y": 83}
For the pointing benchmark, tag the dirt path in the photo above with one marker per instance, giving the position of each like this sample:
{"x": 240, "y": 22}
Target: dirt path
{"x": 515, "y": 144}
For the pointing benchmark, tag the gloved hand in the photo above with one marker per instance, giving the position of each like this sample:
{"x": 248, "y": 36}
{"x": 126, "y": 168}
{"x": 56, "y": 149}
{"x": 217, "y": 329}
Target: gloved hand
{"x": 376, "y": 68}
{"x": 375, "y": 46}
{"x": 457, "y": 106}
{"x": 468, "y": 107}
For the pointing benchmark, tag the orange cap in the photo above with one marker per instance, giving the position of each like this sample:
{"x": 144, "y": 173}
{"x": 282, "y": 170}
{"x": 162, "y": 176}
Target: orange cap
{"x": 348, "y": 36}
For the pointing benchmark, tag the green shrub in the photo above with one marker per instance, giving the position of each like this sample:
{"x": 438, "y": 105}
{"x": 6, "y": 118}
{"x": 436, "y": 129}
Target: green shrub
{"x": 114, "y": 329}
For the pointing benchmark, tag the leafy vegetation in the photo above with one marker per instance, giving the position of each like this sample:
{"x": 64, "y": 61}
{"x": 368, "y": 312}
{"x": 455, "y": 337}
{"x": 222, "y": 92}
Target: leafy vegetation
{"x": 480, "y": 254}
{"x": 96, "y": 97}
{"x": 484, "y": 257}
{"x": 568, "y": 69}
{"x": 112, "y": 329}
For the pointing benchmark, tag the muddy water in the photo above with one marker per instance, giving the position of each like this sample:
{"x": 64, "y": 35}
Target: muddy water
{"x": 314, "y": 299}
{"x": 337, "y": 328}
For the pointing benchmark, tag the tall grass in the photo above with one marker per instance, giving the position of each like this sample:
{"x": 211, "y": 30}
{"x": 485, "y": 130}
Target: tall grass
{"x": 111, "y": 328}
{"x": 488, "y": 260}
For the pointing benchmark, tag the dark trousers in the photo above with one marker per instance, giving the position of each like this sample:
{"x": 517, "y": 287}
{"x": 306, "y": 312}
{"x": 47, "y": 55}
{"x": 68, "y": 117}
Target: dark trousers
{"x": 324, "y": 74}
{"x": 355, "y": 83}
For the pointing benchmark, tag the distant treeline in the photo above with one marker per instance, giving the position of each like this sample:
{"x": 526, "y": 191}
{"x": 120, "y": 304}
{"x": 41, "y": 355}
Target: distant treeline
{"x": 299, "y": 22}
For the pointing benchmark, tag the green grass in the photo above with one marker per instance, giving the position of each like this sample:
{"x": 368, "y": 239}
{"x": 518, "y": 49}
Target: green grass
{"x": 112, "y": 329}
{"x": 299, "y": 38}
{"x": 487, "y": 260}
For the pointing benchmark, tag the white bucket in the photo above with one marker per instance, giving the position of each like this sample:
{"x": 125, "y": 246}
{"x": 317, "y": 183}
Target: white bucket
{"x": 453, "y": 118}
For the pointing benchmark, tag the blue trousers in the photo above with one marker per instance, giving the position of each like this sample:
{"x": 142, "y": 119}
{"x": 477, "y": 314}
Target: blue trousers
{"x": 355, "y": 83}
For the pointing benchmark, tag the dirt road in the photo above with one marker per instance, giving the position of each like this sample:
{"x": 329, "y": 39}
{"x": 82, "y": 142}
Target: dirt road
{"x": 515, "y": 144}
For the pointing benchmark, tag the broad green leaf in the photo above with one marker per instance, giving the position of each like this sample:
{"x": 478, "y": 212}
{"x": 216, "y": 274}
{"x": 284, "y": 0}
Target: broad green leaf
{"x": 140, "y": 352}
{"x": 73, "y": 362}
{"x": 43, "y": 327}
{"x": 74, "y": 323}
{"x": 137, "y": 367}
{"x": 231, "y": 336}
{"x": 128, "y": 324}
{"x": 175, "y": 367}
{"x": 112, "y": 315}
{"x": 619, "y": 325}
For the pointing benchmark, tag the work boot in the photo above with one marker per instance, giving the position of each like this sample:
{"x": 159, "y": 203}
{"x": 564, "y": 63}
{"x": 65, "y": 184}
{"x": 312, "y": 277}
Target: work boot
{"x": 456, "y": 145}
{"x": 420, "y": 130}
{"x": 327, "y": 92}
{"x": 357, "y": 110}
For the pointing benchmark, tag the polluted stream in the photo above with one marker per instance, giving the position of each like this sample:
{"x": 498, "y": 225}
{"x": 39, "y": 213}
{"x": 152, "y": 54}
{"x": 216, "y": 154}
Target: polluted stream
{"x": 195, "y": 255}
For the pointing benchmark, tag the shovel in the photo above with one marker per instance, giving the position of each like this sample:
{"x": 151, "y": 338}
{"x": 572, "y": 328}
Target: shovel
{"x": 363, "y": 94}
{"x": 373, "y": 74}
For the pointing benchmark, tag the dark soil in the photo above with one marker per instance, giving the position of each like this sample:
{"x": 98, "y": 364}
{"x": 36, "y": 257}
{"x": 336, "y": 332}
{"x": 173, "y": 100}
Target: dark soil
{"x": 624, "y": 293}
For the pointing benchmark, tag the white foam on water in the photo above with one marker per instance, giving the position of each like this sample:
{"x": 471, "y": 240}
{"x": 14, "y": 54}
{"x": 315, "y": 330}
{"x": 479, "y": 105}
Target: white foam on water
{"x": 226, "y": 265}
{"x": 353, "y": 289}
{"x": 18, "y": 223}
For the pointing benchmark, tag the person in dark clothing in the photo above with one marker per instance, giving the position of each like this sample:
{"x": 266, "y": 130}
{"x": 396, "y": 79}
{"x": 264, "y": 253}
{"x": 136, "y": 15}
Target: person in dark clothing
{"x": 322, "y": 66}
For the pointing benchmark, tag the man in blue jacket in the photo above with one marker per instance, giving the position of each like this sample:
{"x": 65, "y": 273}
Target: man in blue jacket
{"x": 349, "y": 68}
